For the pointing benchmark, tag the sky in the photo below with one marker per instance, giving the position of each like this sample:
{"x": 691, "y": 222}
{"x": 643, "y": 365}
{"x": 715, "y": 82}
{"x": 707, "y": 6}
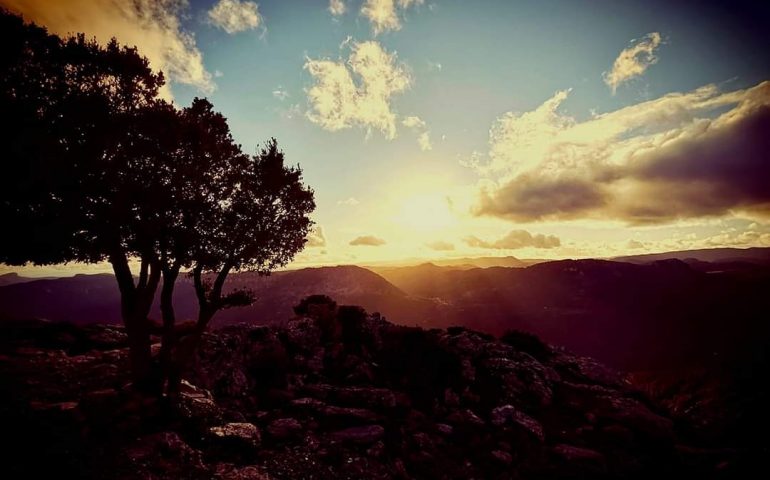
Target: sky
{"x": 443, "y": 128}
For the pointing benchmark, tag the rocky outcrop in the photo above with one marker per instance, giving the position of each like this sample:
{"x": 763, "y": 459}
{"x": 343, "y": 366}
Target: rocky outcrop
{"x": 338, "y": 393}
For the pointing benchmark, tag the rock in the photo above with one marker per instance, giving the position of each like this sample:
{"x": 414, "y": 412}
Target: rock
{"x": 228, "y": 471}
{"x": 517, "y": 379}
{"x": 635, "y": 415}
{"x": 303, "y": 334}
{"x": 240, "y": 434}
{"x": 502, "y": 457}
{"x": 451, "y": 399}
{"x": 508, "y": 415}
{"x": 197, "y": 405}
{"x": 365, "y": 397}
{"x": 284, "y": 428}
{"x": 359, "y": 435}
{"x": 580, "y": 459}
{"x": 161, "y": 455}
{"x": 307, "y": 403}
{"x": 465, "y": 419}
{"x": 347, "y": 414}
{"x": 444, "y": 429}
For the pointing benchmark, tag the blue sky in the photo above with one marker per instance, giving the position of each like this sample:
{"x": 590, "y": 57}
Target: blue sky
{"x": 472, "y": 66}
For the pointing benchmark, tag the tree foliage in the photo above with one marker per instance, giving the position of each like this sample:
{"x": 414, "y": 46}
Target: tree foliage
{"x": 99, "y": 168}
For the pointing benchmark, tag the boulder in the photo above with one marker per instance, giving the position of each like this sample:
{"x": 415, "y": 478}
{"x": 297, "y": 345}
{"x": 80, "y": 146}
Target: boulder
{"x": 284, "y": 428}
{"x": 364, "y": 435}
{"x": 239, "y": 435}
{"x": 510, "y": 417}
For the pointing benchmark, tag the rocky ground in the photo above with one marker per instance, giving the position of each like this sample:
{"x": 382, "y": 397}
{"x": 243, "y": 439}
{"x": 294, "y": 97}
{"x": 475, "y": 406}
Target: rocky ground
{"x": 336, "y": 393}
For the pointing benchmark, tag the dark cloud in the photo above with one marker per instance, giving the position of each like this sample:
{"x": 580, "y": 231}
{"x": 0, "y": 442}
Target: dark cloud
{"x": 367, "y": 240}
{"x": 515, "y": 239}
{"x": 721, "y": 169}
{"x": 534, "y": 197}
{"x": 707, "y": 167}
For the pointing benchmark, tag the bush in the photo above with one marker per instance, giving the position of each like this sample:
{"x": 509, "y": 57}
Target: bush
{"x": 527, "y": 343}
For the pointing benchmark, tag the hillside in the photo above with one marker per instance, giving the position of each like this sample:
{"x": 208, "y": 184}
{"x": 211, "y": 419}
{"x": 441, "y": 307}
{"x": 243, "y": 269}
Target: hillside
{"x": 95, "y": 298}
{"x": 754, "y": 255}
{"x": 655, "y": 315}
{"x": 634, "y": 316}
{"x": 359, "y": 398}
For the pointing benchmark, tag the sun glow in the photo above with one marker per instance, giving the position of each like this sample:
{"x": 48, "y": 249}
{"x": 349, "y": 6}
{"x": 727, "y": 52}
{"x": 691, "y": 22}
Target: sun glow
{"x": 426, "y": 212}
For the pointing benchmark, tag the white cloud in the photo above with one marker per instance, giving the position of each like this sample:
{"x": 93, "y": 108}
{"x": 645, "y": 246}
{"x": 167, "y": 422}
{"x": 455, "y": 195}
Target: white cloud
{"x": 367, "y": 241}
{"x": 414, "y": 122}
{"x": 685, "y": 155}
{"x": 440, "y": 246}
{"x": 349, "y": 202}
{"x": 423, "y": 140}
{"x": 421, "y": 128}
{"x": 383, "y": 15}
{"x": 514, "y": 240}
{"x": 633, "y": 61}
{"x": 151, "y": 25}
{"x": 234, "y": 16}
{"x": 316, "y": 237}
{"x": 280, "y": 93}
{"x": 435, "y": 66}
{"x": 337, "y": 7}
{"x": 357, "y": 93}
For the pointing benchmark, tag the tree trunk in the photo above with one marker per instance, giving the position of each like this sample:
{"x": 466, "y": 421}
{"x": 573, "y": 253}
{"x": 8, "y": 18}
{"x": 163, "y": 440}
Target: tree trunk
{"x": 135, "y": 304}
{"x": 186, "y": 349}
{"x": 168, "y": 338}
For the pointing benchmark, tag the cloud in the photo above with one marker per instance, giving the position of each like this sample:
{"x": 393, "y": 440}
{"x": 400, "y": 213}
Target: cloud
{"x": 280, "y": 93}
{"x": 515, "y": 239}
{"x": 337, "y": 7}
{"x": 633, "y": 61}
{"x": 423, "y": 140}
{"x": 738, "y": 239}
{"x": 413, "y": 122}
{"x": 316, "y": 237}
{"x": 440, "y": 246}
{"x": 423, "y": 134}
{"x": 349, "y": 201}
{"x": 234, "y": 16}
{"x": 703, "y": 153}
{"x": 383, "y": 15}
{"x": 357, "y": 93}
{"x": 634, "y": 244}
{"x": 367, "y": 240}
{"x": 152, "y": 25}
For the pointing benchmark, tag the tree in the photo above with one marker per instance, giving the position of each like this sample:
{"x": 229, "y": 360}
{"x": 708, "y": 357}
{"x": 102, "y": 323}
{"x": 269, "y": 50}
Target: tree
{"x": 259, "y": 224}
{"x": 71, "y": 190}
{"x": 101, "y": 169}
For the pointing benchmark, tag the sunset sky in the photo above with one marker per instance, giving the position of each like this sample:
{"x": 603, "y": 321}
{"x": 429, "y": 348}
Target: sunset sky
{"x": 447, "y": 128}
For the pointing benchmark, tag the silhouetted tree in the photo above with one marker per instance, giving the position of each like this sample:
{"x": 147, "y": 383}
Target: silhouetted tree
{"x": 99, "y": 168}
{"x": 260, "y": 224}
{"x": 71, "y": 191}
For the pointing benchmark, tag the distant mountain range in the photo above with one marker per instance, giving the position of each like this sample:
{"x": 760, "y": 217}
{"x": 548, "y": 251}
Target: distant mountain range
{"x": 754, "y": 255}
{"x": 641, "y": 312}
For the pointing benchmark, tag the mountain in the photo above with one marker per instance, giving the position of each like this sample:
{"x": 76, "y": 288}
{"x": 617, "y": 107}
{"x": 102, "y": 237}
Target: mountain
{"x": 634, "y": 316}
{"x": 87, "y": 299}
{"x": 754, "y": 255}
{"x": 418, "y": 278}
{"x": 485, "y": 262}
{"x": 13, "y": 277}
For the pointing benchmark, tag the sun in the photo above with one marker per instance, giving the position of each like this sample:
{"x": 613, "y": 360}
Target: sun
{"x": 426, "y": 211}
